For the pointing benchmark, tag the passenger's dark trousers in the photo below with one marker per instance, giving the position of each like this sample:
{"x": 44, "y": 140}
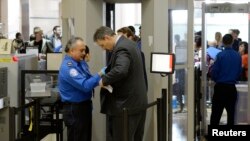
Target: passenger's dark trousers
{"x": 78, "y": 119}
{"x": 136, "y": 125}
{"x": 225, "y": 96}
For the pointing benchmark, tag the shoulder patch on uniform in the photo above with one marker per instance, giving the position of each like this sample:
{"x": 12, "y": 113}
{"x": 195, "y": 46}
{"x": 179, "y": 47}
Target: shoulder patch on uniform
{"x": 69, "y": 64}
{"x": 73, "y": 72}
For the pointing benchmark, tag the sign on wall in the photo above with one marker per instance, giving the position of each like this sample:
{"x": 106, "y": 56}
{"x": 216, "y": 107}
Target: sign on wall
{"x": 5, "y": 46}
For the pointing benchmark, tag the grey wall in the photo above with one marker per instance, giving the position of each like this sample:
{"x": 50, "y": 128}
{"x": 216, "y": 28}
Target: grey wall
{"x": 4, "y": 13}
{"x": 1, "y": 11}
{"x": 45, "y": 14}
{"x": 146, "y": 31}
{"x": 87, "y": 15}
{"x": 94, "y": 19}
{"x": 178, "y": 4}
{"x": 154, "y": 38}
{"x": 25, "y": 19}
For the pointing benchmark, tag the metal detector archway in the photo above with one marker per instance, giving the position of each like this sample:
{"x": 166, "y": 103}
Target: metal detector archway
{"x": 216, "y": 17}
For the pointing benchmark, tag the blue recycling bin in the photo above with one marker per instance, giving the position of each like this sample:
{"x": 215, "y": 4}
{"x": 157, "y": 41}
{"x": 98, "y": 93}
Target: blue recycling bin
{"x": 174, "y": 102}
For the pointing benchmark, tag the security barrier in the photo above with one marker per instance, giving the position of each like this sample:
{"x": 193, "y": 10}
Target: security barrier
{"x": 161, "y": 104}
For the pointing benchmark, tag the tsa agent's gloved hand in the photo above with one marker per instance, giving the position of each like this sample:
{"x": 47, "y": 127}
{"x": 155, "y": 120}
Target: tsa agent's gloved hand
{"x": 102, "y": 71}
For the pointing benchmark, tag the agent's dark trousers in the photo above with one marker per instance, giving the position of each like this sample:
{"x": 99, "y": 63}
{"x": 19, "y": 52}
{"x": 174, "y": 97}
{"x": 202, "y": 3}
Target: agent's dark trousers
{"x": 225, "y": 96}
{"x": 78, "y": 119}
{"x": 135, "y": 123}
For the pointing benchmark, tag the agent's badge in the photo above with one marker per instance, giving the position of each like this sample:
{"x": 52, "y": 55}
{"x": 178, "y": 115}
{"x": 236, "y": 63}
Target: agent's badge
{"x": 73, "y": 72}
{"x": 69, "y": 64}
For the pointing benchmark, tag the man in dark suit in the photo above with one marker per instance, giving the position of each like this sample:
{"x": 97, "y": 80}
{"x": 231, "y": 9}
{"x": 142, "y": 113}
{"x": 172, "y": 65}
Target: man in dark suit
{"x": 125, "y": 76}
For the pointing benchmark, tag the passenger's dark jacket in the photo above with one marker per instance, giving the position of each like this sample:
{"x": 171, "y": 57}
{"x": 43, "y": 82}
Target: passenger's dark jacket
{"x": 126, "y": 77}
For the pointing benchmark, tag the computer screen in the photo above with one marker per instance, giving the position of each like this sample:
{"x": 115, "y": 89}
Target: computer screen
{"x": 162, "y": 63}
{"x": 32, "y": 50}
{"x": 54, "y": 61}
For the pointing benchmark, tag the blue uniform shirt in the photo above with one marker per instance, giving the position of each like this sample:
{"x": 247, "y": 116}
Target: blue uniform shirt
{"x": 227, "y": 67}
{"x": 75, "y": 81}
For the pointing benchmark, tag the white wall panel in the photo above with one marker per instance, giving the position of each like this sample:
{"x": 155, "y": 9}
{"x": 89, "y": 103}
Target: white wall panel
{"x": 45, "y": 14}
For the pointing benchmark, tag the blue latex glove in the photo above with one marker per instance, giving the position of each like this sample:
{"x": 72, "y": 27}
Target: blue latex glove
{"x": 103, "y": 70}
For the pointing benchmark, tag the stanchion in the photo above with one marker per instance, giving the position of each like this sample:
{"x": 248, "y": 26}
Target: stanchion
{"x": 164, "y": 114}
{"x": 159, "y": 119}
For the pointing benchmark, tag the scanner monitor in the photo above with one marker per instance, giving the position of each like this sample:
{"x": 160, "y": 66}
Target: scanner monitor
{"x": 32, "y": 50}
{"x": 162, "y": 63}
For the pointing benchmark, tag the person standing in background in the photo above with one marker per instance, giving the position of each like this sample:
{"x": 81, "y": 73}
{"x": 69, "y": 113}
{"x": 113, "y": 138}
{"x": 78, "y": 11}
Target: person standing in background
{"x": 179, "y": 85}
{"x": 135, "y": 38}
{"x": 87, "y": 54}
{"x": 218, "y": 39}
{"x": 18, "y": 43}
{"x": 198, "y": 51}
{"x": 55, "y": 39}
{"x": 217, "y": 43}
{"x": 243, "y": 50}
{"x": 236, "y": 40}
{"x": 44, "y": 46}
{"x": 225, "y": 72}
{"x": 125, "y": 31}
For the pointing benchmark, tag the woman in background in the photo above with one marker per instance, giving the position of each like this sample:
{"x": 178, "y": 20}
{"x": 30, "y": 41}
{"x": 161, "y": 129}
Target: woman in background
{"x": 87, "y": 55}
{"x": 125, "y": 31}
{"x": 218, "y": 40}
{"x": 18, "y": 43}
{"x": 243, "y": 50}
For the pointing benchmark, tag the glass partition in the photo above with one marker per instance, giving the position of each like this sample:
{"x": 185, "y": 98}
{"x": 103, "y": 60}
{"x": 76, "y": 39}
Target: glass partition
{"x": 179, "y": 28}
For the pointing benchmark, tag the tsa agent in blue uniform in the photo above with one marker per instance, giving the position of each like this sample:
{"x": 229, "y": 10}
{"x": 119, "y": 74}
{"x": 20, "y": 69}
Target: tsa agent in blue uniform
{"x": 76, "y": 85}
{"x": 225, "y": 72}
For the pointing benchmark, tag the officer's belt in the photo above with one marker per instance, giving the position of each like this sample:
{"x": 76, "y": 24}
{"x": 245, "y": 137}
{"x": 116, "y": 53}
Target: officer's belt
{"x": 77, "y": 103}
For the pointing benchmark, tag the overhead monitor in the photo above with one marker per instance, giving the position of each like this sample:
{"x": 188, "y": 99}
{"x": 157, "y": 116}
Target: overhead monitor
{"x": 54, "y": 61}
{"x": 162, "y": 63}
